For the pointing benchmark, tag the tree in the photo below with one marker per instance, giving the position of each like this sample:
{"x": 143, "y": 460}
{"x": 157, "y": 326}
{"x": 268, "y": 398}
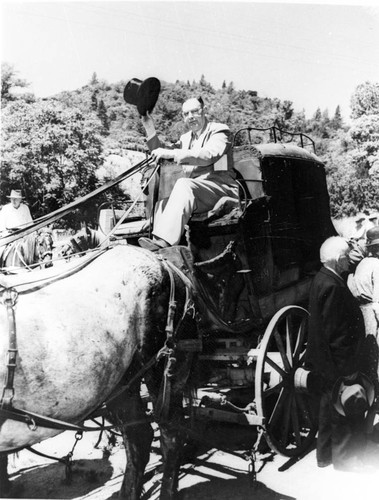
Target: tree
{"x": 94, "y": 103}
{"x": 317, "y": 116}
{"x": 94, "y": 80}
{"x": 230, "y": 88}
{"x": 365, "y": 136}
{"x": 51, "y": 151}
{"x": 337, "y": 122}
{"x": 102, "y": 114}
{"x": 365, "y": 129}
{"x": 365, "y": 100}
{"x": 9, "y": 82}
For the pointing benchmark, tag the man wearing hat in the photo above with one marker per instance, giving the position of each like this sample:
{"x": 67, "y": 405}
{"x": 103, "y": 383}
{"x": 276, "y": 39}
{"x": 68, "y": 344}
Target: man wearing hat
{"x": 14, "y": 214}
{"x": 336, "y": 332}
{"x": 364, "y": 285}
{"x": 205, "y": 155}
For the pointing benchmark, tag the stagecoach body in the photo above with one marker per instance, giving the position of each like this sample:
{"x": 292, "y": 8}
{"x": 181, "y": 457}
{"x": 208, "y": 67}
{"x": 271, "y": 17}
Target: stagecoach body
{"x": 252, "y": 267}
{"x": 275, "y": 234}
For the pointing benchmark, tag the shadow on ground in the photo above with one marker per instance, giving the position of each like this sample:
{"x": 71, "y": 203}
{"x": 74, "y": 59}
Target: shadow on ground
{"x": 240, "y": 488}
{"x": 50, "y": 481}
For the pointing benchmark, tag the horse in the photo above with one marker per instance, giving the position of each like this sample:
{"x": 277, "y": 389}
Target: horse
{"x": 83, "y": 335}
{"x": 85, "y": 239}
{"x": 25, "y": 252}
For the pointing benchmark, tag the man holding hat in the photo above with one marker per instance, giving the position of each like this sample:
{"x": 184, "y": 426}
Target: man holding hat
{"x": 336, "y": 332}
{"x": 205, "y": 155}
{"x": 14, "y": 214}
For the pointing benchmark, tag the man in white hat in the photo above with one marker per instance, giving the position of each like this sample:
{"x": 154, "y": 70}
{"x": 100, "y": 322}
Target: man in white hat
{"x": 336, "y": 333}
{"x": 205, "y": 155}
{"x": 14, "y": 214}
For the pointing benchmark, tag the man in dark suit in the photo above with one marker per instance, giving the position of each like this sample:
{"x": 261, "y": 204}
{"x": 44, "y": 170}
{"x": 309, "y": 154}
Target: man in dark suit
{"x": 336, "y": 332}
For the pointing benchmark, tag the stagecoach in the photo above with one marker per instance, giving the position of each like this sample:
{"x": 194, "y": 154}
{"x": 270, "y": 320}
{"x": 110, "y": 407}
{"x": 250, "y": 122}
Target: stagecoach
{"x": 250, "y": 267}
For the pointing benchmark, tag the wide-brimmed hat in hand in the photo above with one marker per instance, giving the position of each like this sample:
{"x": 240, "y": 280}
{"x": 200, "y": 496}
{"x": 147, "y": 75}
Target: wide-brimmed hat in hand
{"x": 354, "y": 395}
{"x": 143, "y": 94}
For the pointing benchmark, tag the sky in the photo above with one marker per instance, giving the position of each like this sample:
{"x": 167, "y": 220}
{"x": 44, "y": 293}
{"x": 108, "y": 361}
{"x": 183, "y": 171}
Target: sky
{"x": 313, "y": 54}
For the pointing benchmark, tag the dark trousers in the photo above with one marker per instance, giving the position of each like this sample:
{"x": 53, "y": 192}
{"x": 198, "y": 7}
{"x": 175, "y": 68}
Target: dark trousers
{"x": 339, "y": 438}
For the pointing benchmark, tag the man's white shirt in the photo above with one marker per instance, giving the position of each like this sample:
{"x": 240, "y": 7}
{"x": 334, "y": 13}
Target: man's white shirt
{"x": 11, "y": 217}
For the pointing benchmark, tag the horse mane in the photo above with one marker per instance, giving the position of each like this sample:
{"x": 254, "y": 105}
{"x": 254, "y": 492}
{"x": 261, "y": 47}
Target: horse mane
{"x": 28, "y": 246}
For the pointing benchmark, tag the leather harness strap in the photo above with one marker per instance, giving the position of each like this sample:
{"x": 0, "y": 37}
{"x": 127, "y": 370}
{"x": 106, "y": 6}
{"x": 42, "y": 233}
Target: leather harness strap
{"x": 9, "y": 298}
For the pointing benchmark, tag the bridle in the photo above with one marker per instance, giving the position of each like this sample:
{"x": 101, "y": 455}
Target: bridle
{"x": 44, "y": 247}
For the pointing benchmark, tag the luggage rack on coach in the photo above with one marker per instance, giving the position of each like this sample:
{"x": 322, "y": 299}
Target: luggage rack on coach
{"x": 276, "y": 134}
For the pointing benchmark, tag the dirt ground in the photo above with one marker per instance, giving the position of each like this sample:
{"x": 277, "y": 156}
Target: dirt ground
{"x": 211, "y": 474}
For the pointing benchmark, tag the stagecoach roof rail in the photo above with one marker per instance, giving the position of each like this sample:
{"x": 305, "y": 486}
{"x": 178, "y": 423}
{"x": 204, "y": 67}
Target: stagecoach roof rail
{"x": 277, "y": 134}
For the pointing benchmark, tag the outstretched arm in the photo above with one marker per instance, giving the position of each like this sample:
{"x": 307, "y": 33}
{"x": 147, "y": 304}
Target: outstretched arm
{"x": 152, "y": 139}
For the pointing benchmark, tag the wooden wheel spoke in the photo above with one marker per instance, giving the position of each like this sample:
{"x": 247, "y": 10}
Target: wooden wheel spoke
{"x": 282, "y": 351}
{"x": 299, "y": 342}
{"x": 295, "y": 421}
{"x": 272, "y": 390}
{"x": 301, "y": 357}
{"x": 287, "y": 419}
{"x": 275, "y": 366}
{"x": 279, "y": 405}
{"x": 289, "y": 426}
{"x": 289, "y": 340}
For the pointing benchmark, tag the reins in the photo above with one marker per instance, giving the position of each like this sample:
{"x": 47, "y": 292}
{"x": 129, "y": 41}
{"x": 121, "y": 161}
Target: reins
{"x": 61, "y": 212}
{"x": 19, "y": 248}
{"x": 168, "y": 349}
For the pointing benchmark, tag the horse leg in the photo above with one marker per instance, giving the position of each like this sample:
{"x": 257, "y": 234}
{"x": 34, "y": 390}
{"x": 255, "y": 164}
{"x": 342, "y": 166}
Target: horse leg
{"x": 172, "y": 443}
{"x": 171, "y": 435}
{"x": 5, "y": 484}
{"x": 128, "y": 413}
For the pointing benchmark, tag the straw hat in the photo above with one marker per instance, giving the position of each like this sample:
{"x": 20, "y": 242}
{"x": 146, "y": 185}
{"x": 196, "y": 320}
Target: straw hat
{"x": 16, "y": 193}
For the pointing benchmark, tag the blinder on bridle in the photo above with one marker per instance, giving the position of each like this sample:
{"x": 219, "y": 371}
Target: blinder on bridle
{"x": 45, "y": 244}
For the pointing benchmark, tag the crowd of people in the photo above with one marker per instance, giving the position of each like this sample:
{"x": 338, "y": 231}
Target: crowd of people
{"x": 343, "y": 347}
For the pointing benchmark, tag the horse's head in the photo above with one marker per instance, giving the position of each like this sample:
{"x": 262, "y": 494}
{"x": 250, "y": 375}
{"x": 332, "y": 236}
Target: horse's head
{"x": 83, "y": 240}
{"x": 44, "y": 247}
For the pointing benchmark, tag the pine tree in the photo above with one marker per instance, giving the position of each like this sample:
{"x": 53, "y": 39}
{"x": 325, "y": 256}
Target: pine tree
{"x": 94, "y": 80}
{"x": 94, "y": 102}
{"x": 103, "y": 115}
{"x": 337, "y": 122}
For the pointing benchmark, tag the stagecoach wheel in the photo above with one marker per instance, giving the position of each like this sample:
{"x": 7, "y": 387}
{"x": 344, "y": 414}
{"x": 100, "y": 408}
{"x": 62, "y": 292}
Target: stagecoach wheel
{"x": 289, "y": 413}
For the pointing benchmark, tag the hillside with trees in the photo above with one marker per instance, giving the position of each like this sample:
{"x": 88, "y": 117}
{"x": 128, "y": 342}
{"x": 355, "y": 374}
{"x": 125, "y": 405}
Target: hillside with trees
{"x": 52, "y": 148}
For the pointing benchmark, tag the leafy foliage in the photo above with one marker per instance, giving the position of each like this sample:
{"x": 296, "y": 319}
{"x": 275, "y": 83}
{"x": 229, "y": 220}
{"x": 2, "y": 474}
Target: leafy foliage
{"x": 49, "y": 151}
{"x": 10, "y": 82}
{"x": 365, "y": 100}
{"x": 53, "y": 148}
